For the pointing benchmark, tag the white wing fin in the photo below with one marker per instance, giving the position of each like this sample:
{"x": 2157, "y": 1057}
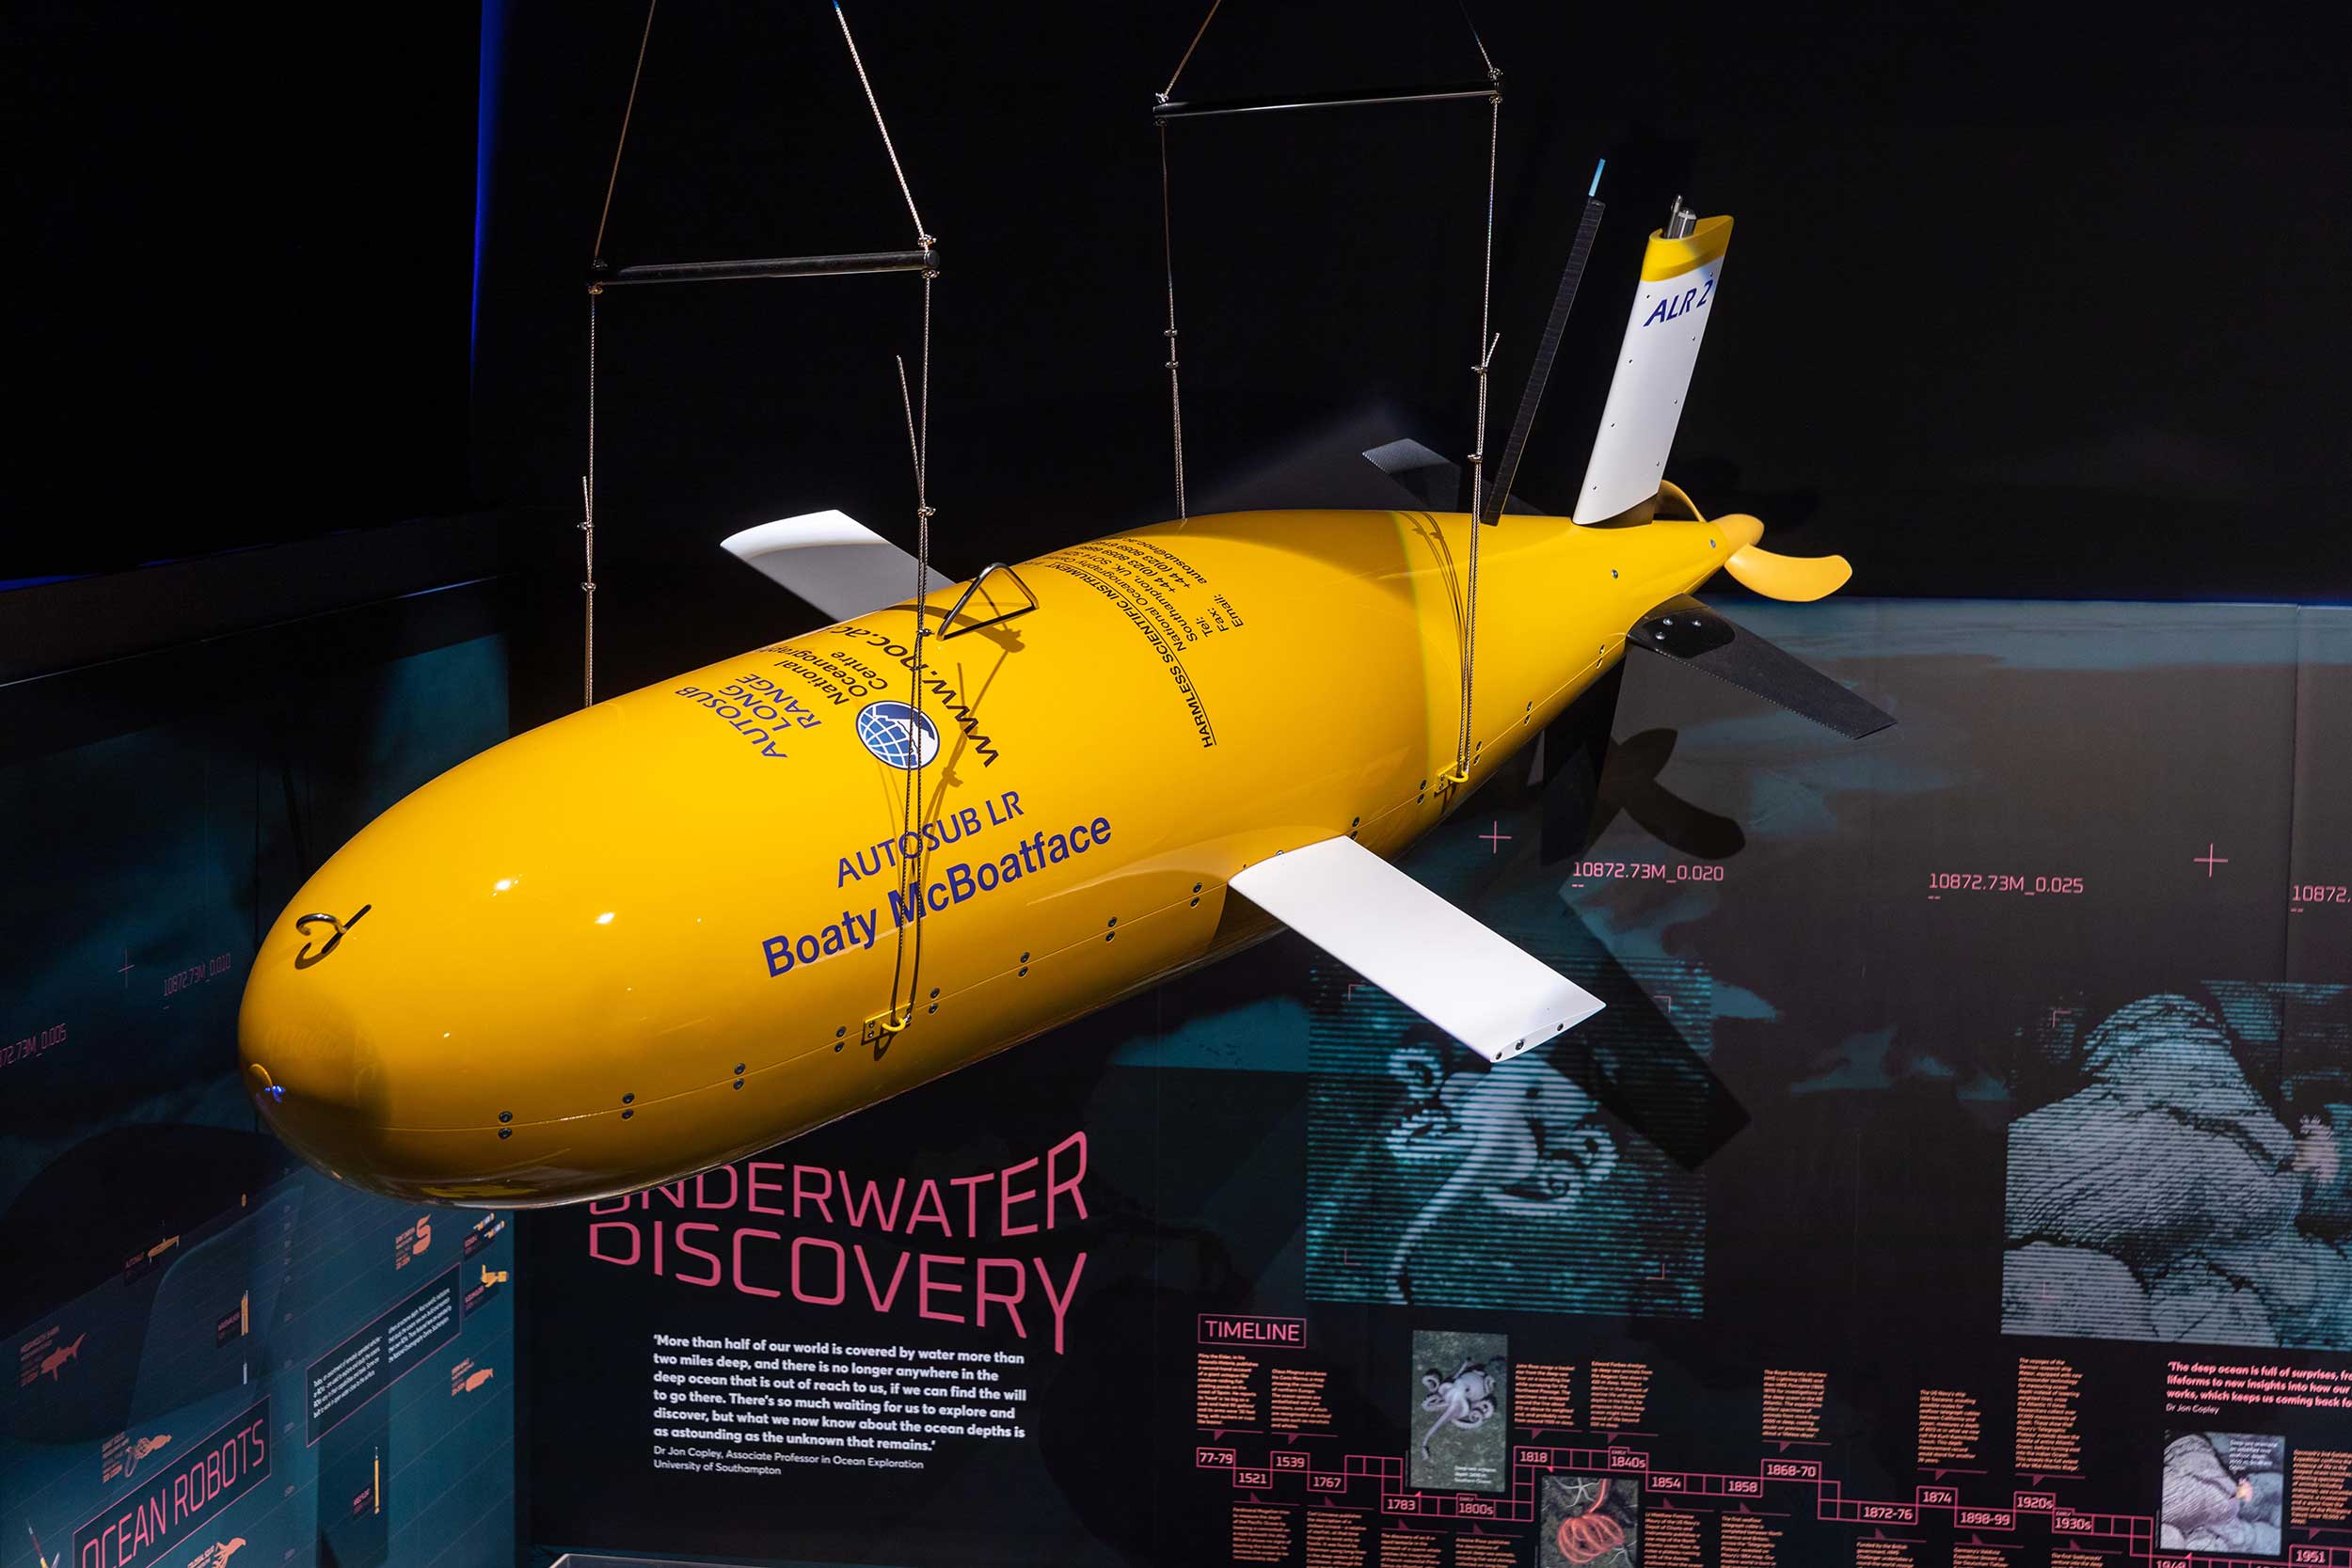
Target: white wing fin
{"x": 830, "y": 559}
{"x": 1493, "y": 996}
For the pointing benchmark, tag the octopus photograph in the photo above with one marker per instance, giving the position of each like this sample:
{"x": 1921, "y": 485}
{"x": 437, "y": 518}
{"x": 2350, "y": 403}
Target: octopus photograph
{"x": 1435, "y": 1180}
{"x": 1461, "y": 1420}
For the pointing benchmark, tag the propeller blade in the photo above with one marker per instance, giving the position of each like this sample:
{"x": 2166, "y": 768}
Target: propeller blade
{"x": 1800, "y": 578}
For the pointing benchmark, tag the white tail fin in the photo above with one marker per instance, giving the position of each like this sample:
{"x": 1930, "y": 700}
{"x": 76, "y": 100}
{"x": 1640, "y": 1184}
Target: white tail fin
{"x": 830, "y": 559}
{"x": 1662, "y": 344}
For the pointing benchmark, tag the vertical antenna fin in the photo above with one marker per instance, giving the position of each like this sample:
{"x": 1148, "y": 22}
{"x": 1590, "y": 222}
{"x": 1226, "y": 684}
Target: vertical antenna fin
{"x": 1662, "y": 331}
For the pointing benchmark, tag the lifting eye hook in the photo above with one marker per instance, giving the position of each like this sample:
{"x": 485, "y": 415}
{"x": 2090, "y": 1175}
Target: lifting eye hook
{"x": 305, "y": 958}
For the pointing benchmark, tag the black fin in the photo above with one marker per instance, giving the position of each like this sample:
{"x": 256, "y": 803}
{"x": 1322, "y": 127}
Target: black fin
{"x": 1686, "y": 630}
{"x": 1430, "y": 477}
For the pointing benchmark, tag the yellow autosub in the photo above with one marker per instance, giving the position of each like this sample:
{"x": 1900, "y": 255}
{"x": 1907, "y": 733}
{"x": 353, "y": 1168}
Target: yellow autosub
{"x": 664, "y": 932}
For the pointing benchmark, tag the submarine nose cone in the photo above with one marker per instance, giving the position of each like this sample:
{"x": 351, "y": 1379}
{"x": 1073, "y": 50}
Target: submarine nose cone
{"x": 304, "y": 1059}
{"x": 372, "y": 1036}
{"x": 517, "y": 985}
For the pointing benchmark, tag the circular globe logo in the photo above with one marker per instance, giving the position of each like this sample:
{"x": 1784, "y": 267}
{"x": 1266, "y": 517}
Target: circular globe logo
{"x": 897, "y": 734}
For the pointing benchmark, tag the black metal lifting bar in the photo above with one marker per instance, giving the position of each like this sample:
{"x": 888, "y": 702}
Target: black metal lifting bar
{"x": 1208, "y": 108}
{"x": 604, "y": 275}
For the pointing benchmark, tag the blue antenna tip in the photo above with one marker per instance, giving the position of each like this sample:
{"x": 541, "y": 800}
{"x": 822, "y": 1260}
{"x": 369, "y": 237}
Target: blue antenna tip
{"x": 1594, "y": 189}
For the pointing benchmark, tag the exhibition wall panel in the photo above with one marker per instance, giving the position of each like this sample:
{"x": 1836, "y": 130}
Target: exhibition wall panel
{"x": 2036, "y": 1246}
{"x": 214, "y": 1343}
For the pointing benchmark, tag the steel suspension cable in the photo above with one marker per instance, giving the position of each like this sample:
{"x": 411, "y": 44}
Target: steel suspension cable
{"x": 1175, "y": 389}
{"x": 588, "y": 481}
{"x": 922, "y": 235}
{"x": 588, "y": 530}
{"x": 1198, "y": 33}
{"x": 917, "y": 409}
{"x": 613, "y": 179}
{"x": 1487, "y": 344}
{"x": 1168, "y": 255}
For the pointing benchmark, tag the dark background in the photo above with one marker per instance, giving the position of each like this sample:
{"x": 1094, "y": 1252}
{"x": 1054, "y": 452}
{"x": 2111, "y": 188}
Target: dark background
{"x": 240, "y": 265}
{"x": 2026, "y": 300}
